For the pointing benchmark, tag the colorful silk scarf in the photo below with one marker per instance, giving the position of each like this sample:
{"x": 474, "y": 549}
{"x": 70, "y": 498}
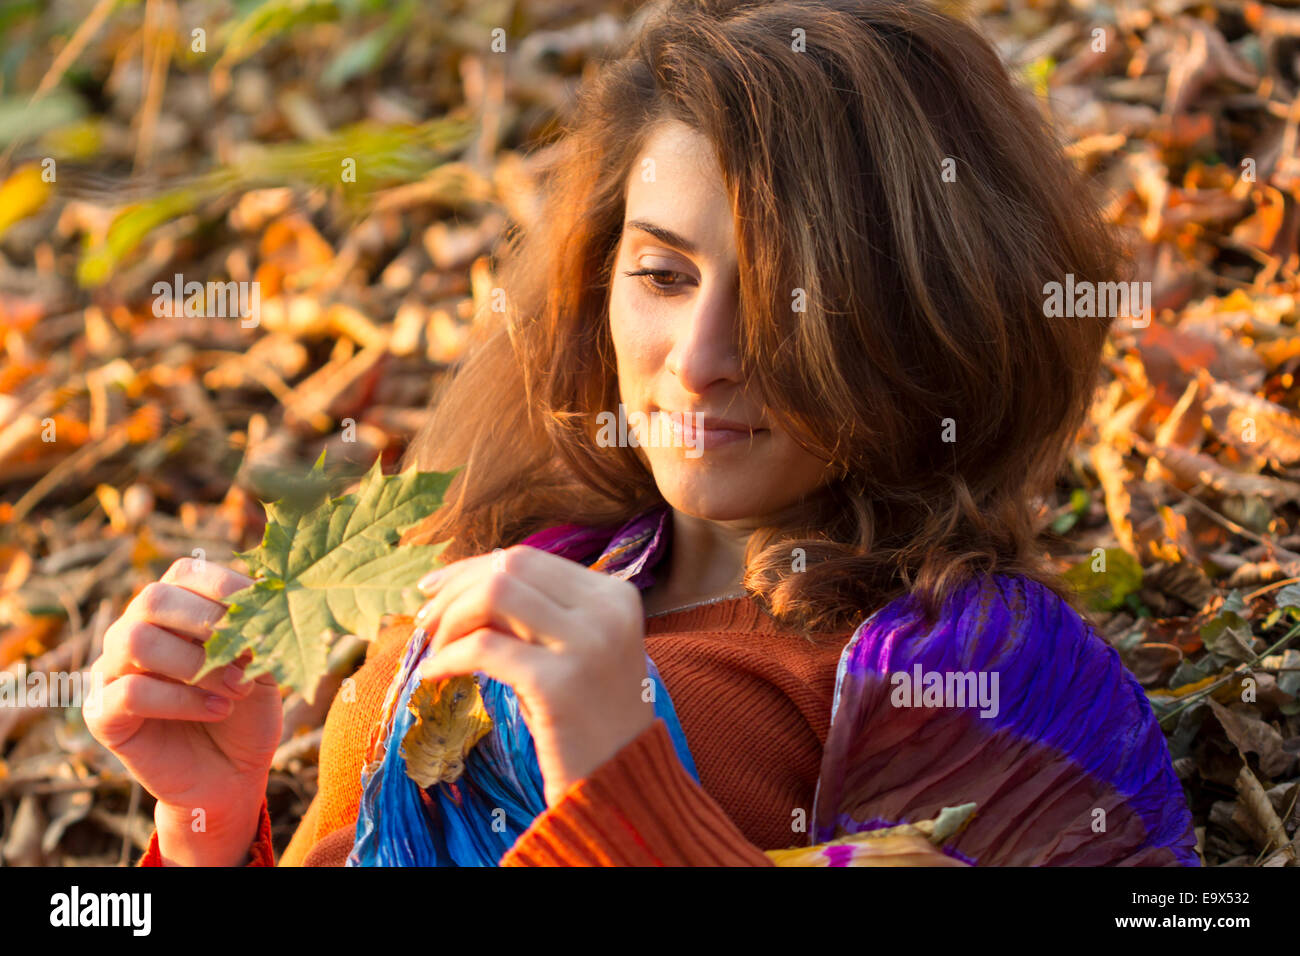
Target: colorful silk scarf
{"x": 1010, "y": 702}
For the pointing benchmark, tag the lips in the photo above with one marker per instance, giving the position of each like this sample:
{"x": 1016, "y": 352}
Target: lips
{"x": 711, "y": 422}
{"x": 701, "y": 430}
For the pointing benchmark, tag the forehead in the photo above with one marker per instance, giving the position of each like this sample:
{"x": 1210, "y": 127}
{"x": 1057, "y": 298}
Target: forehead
{"x": 675, "y": 182}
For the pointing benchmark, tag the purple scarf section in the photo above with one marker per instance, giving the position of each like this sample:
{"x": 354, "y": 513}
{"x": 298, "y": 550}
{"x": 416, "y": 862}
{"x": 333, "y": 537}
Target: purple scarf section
{"x": 1010, "y": 700}
{"x": 628, "y": 554}
{"x": 1058, "y": 748}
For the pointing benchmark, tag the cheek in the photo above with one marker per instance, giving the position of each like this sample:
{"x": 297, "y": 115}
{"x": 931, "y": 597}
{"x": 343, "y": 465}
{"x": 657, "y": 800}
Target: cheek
{"x": 801, "y": 471}
{"x": 639, "y": 348}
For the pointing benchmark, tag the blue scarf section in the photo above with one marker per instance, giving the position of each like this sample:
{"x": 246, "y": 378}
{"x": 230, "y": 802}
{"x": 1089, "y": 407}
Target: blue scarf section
{"x": 476, "y": 819}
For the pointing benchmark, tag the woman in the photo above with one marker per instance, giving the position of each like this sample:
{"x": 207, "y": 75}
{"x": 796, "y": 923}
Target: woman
{"x": 760, "y": 430}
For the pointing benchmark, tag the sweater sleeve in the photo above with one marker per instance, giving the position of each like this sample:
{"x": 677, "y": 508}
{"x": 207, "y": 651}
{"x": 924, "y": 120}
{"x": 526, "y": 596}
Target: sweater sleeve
{"x": 261, "y": 852}
{"x": 342, "y": 754}
{"x": 639, "y": 808}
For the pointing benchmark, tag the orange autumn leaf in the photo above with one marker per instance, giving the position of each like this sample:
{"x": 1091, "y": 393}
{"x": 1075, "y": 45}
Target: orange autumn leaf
{"x": 29, "y": 638}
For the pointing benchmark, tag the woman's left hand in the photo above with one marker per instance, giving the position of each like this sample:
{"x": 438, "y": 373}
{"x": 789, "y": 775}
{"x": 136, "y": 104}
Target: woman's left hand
{"x": 569, "y": 640}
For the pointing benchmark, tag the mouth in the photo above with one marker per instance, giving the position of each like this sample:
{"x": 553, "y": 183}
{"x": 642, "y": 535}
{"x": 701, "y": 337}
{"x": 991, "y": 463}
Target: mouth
{"x": 701, "y": 430}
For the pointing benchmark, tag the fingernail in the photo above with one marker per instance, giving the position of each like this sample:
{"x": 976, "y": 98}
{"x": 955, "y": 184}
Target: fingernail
{"x": 234, "y": 676}
{"x": 218, "y": 705}
{"x": 422, "y": 616}
{"x": 428, "y": 580}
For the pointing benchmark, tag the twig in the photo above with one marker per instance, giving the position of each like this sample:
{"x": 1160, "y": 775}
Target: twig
{"x": 1228, "y": 523}
{"x": 86, "y": 456}
{"x": 89, "y": 27}
{"x": 1269, "y": 587}
{"x": 1239, "y": 669}
{"x": 155, "y": 54}
{"x": 132, "y": 807}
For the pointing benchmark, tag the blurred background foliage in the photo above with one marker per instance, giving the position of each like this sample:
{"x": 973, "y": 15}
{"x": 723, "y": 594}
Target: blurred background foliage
{"x": 149, "y": 91}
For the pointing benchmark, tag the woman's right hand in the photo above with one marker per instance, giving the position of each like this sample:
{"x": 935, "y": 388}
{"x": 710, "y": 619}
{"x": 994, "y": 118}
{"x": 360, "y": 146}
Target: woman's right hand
{"x": 203, "y": 750}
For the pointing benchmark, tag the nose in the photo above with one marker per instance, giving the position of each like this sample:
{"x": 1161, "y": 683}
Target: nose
{"x": 705, "y": 346}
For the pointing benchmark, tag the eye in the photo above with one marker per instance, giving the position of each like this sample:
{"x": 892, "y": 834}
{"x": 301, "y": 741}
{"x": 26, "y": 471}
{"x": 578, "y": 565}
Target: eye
{"x": 653, "y": 282}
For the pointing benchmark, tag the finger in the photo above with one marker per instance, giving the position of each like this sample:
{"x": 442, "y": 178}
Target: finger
{"x": 562, "y": 579}
{"x": 568, "y": 583}
{"x": 503, "y": 603}
{"x": 177, "y": 609}
{"x": 473, "y": 575}
{"x": 452, "y": 579}
{"x": 128, "y": 702}
{"x": 501, "y": 656}
{"x": 206, "y": 578}
{"x": 138, "y": 647}
{"x": 435, "y": 578}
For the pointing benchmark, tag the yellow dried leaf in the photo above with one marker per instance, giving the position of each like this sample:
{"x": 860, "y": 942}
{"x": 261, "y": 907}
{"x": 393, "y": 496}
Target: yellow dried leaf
{"x": 449, "y": 720}
{"x": 111, "y": 501}
{"x": 908, "y": 844}
{"x": 22, "y": 195}
{"x": 1109, "y": 466}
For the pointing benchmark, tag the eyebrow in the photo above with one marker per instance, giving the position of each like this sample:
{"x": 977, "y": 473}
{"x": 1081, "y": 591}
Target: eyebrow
{"x": 663, "y": 235}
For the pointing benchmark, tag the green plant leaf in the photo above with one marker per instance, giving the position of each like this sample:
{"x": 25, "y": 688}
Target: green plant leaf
{"x": 1289, "y": 596}
{"x": 383, "y": 154}
{"x": 366, "y": 54}
{"x": 1229, "y": 634}
{"x": 21, "y": 119}
{"x": 325, "y": 568}
{"x": 248, "y": 33}
{"x": 128, "y": 229}
{"x": 1079, "y": 501}
{"x": 1108, "y": 587}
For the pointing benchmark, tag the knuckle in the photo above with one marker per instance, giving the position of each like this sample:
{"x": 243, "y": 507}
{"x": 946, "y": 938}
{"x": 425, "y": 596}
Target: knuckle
{"x": 131, "y": 691}
{"x": 112, "y": 641}
{"x": 111, "y": 654}
{"x": 479, "y": 641}
{"x": 514, "y": 558}
{"x": 153, "y": 598}
{"x": 178, "y": 569}
{"x": 498, "y": 588}
{"x": 102, "y": 667}
{"x": 138, "y": 640}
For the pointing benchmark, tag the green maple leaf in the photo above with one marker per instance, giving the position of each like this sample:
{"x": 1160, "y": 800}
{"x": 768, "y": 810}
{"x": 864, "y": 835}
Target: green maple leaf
{"x": 328, "y": 566}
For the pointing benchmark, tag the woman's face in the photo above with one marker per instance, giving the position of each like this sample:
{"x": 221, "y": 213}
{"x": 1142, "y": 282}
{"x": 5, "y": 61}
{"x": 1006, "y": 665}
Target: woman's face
{"x": 675, "y": 339}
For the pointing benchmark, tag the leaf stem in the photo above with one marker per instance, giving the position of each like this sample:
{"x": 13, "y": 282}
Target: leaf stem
{"x": 1244, "y": 666}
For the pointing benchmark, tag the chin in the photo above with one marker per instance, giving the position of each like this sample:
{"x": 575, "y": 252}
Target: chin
{"x": 712, "y": 494}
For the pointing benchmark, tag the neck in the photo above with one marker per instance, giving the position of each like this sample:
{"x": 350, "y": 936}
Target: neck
{"x": 707, "y": 560}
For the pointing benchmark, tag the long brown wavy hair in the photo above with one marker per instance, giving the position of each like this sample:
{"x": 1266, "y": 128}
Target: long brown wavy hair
{"x": 924, "y": 294}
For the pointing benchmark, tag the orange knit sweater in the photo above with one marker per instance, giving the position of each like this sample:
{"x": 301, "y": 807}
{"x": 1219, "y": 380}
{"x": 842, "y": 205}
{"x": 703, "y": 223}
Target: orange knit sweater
{"x": 754, "y": 701}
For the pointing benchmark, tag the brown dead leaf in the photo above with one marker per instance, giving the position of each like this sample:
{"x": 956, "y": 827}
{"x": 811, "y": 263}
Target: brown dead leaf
{"x": 1253, "y": 425}
{"x": 1193, "y": 469}
{"x": 1152, "y": 664}
{"x": 1255, "y": 802}
{"x": 1109, "y": 467}
{"x": 1249, "y": 734}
